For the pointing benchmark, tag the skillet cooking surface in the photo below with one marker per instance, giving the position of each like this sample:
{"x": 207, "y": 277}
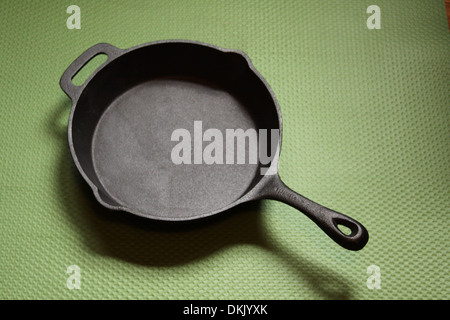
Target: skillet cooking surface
{"x": 132, "y": 148}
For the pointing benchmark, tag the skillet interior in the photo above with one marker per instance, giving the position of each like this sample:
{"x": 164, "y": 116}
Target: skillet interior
{"x": 125, "y": 116}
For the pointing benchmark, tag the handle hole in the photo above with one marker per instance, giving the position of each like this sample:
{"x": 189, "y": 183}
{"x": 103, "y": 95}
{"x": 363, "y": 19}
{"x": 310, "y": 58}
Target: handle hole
{"x": 93, "y": 64}
{"x": 344, "y": 229}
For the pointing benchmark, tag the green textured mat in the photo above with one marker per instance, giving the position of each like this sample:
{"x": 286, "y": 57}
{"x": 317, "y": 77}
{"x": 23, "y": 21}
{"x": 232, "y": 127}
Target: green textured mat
{"x": 366, "y": 132}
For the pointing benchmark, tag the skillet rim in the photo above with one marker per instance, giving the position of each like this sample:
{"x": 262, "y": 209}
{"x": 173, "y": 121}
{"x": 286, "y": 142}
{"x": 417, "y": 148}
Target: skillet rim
{"x": 251, "y": 194}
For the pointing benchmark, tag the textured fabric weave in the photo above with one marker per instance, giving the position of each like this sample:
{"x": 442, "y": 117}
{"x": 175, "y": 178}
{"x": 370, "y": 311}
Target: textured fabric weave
{"x": 366, "y": 131}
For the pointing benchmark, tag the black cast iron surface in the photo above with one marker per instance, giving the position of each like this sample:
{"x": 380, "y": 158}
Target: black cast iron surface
{"x": 123, "y": 116}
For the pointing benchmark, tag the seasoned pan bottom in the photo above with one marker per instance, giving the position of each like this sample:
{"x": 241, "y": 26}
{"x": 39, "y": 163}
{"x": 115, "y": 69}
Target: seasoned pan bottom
{"x": 132, "y": 147}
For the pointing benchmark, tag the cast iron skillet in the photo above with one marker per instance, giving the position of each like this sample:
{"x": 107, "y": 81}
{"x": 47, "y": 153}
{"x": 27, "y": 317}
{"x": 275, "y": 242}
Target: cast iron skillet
{"x": 123, "y": 116}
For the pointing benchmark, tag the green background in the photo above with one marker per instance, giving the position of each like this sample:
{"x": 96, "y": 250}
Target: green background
{"x": 366, "y": 132}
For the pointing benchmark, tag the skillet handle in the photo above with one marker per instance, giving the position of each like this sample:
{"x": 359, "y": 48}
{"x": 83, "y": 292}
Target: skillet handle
{"x": 66, "y": 83}
{"x": 328, "y": 220}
